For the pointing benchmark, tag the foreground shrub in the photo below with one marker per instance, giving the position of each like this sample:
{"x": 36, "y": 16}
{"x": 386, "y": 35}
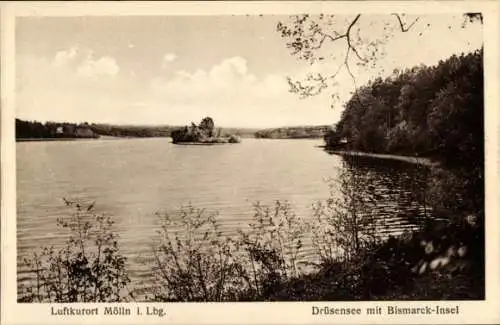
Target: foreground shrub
{"x": 457, "y": 194}
{"x": 345, "y": 223}
{"x": 89, "y": 268}
{"x": 271, "y": 245}
{"x": 195, "y": 262}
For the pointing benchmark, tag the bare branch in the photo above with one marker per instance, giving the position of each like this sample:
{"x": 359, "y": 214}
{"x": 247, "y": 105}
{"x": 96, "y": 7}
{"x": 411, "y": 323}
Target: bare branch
{"x": 330, "y": 37}
{"x": 306, "y": 37}
{"x": 402, "y": 25}
{"x": 306, "y": 91}
{"x": 346, "y": 35}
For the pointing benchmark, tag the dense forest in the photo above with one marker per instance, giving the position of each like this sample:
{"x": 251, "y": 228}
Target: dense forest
{"x": 297, "y": 132}
{"x": 433, "y": 111}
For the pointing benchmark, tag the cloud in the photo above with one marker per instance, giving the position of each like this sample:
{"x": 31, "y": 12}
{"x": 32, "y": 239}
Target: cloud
{"x": 60, "y": 87}
{"x": 169, "y": 58}
{"x": 230, "y": 93}
{"x": 63, "y": 58}
{"x": 103, "y": 66}
{"x": 85, "y": 65}
{"x": 219, "y": 83}
{"x": 50, "y": 95}
{"x": 226, "y": 82}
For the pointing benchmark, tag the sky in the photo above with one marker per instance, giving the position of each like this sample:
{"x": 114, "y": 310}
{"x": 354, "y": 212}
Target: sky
{"x": 177, "y": 69}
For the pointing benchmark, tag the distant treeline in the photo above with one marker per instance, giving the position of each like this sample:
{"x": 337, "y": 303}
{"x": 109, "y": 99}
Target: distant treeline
{"x": 241, "y": 132}
{"x": 48, "y": 130}
{"x": 134, "y": 131}
{"x": 294, "y": 132}
{"x": 432, "y": 111}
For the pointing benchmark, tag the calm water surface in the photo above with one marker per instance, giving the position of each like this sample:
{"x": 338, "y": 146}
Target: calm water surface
{"x": 132, "y": 179}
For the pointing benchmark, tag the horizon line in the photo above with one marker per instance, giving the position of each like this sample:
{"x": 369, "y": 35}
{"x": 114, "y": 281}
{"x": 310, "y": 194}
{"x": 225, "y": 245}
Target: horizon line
{"x": 174, "y": 125}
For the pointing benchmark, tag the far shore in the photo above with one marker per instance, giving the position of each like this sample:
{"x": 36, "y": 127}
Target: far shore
{"x": 102, "y": 137}
{"x": 200, "y": 143}
{"x": 53, "y": 139}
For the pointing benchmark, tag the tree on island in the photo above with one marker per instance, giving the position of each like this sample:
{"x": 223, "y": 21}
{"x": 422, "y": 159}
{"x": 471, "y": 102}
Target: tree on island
{"x": 207, "y": 126}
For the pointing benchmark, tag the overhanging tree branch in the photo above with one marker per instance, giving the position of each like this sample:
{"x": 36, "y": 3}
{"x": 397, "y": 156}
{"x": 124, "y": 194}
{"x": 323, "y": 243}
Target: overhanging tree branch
{"x": 304, "y": 42}
{"x": 348, "y": 38}
{"x": 307, "y": 37}
{"x": 402, "y": 25}
{"x": 346, "y": 35}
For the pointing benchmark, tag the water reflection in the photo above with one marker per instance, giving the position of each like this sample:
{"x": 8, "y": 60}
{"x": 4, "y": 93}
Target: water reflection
{"x": 393, "y": 192}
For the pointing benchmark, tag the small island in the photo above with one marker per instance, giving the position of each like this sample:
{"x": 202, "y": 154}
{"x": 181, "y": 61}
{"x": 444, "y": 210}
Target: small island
{"x": 204, "y": 133}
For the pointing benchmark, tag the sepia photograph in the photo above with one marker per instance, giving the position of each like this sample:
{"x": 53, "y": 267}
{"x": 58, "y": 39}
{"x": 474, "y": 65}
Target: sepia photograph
{"x": 258, "y": 157}
{"x": 163, "y": 158}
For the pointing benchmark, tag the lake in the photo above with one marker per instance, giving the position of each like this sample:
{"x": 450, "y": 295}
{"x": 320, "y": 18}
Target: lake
{"x": 132, "y": 179}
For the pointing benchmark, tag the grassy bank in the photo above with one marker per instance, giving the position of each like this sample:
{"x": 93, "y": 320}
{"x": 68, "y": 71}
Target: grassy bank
{"x": 414, "y": 160}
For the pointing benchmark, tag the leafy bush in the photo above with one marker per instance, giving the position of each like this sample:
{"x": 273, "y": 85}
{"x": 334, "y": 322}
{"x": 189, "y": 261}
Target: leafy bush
{"x": 272, "y": 244}
{"x": 195, "y": 262}
{"x": 89, "y": 268}
{"x": 233, "y": 139}
{"x": 344, "y": 223}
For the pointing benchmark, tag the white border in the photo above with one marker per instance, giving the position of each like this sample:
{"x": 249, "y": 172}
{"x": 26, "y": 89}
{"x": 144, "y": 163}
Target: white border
{"x": 242, "y": 313}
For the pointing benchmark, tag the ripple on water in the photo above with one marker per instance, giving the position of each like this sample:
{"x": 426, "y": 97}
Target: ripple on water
{"x": 131, "y": 180}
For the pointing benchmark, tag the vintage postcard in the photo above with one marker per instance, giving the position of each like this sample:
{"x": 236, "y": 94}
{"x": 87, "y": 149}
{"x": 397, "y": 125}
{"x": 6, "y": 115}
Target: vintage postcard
{"x": 250, "y": 162}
